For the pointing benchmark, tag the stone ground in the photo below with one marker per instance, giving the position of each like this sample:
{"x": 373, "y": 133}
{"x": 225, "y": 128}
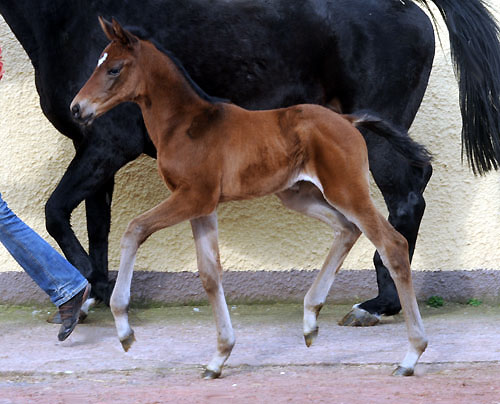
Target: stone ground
{"x": 269, "y": 364}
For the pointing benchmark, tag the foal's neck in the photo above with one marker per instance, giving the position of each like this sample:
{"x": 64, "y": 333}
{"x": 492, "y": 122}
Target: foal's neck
{"x": 166, "y": 97}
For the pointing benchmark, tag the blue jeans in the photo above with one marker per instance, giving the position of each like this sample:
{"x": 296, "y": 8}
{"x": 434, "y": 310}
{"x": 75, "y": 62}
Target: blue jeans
{"x": 53, "y": 273}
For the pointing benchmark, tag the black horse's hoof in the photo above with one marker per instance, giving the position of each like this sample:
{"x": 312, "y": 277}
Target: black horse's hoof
{"x": 401, "y": 371}
{"x": 210, "y": 374}
{"x": 359, "y": 318}
{"x": 311, "y": 336}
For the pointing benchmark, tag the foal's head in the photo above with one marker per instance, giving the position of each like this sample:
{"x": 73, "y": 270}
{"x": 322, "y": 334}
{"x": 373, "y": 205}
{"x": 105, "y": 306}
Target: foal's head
{"x": 114, "y": 80}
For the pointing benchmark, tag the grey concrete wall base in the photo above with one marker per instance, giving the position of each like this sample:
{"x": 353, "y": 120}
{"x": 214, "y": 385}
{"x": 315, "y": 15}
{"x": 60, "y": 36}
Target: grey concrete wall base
{"x": 265, "y": 286}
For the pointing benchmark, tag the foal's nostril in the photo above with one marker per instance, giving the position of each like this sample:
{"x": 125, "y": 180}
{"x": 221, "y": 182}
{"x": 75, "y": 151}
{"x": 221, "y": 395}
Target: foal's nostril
{"x": 75, "y": 110}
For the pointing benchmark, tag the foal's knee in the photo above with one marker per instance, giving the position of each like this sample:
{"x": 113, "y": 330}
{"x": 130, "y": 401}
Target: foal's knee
{"x": 134, "y": 236}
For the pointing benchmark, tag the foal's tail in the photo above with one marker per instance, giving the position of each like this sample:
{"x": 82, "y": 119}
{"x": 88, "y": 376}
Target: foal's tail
{"x": 398, "y": 138}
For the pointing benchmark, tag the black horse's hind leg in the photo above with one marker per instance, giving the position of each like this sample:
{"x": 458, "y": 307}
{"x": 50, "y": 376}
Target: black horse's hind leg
{"x": 98, "y": 209}
{"x": 402, "y": 186}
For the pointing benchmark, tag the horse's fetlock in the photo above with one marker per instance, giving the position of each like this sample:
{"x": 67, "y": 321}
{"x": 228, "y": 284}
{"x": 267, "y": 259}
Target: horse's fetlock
{"x": 420, "y": 343}
{"x": 119, "y": 306}
{"x": 316, "y": 309}
{"x": 226, "y": 345}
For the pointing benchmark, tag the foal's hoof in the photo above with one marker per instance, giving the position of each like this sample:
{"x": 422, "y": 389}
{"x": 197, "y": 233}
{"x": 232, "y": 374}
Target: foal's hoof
{"x": 401, "y": 371}
{"x": 128, "y": 341}
{"x": 210, "y": 374}
{"x": 310, "y": 337}
{"x": 358, "y": 317}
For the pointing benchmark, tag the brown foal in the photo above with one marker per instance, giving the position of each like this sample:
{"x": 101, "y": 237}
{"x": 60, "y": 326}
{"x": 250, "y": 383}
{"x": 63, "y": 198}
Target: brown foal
{"x": 210, "y": 152}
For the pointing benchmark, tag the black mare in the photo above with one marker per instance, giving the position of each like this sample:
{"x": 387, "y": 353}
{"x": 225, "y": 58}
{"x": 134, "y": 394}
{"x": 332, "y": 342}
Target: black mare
{"x": 356, "y": 54}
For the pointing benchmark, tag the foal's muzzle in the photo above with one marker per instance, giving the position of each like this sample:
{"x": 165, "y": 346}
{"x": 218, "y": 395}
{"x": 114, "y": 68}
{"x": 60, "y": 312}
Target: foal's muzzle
{"x": 82, "y": 113}
{"x": 75, "y": 111}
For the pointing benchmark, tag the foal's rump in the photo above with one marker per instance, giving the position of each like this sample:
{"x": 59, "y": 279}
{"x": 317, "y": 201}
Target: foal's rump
{"x": 336, "y": 152}
{"x": 326, "y": 120}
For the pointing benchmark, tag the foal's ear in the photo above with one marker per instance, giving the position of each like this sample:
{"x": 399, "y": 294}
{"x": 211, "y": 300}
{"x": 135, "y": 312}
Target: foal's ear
{"x": 121, "y": 34}
{"x": 115, "y": 32}
{"x": 107, "y": 27}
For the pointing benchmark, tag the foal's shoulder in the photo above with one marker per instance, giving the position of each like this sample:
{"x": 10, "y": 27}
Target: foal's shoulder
{"x": 206, "y": 119}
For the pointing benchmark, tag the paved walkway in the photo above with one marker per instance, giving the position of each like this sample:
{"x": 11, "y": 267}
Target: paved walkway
{"x": 346, "y": 364}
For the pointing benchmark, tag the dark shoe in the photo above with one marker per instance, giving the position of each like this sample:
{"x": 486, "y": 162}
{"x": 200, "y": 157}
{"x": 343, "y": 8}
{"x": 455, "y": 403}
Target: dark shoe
{"x": 69, "y": 313}
{"x": 55, "y": 317}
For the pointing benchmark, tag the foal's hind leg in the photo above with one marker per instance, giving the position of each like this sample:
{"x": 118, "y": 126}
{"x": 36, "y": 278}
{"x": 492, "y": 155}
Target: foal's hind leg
{"x": 393, "y": 250}
{"x": 355, "y": 203}
{"x": 402, "y": 186}
{"x": 307, "y": 199}
{"x": 207, "y": 252}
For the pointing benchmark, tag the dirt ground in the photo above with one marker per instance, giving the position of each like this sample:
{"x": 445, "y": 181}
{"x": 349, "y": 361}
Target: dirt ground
{"x": 269, "y": 364}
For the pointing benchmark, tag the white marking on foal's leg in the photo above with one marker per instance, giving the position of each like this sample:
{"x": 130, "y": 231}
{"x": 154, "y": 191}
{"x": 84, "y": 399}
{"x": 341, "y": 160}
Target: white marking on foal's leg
{"x": 120, "y": 299}
{"x": 207, "y": 251}
{"x": 416, "y": 333}
{"x": 413, "y": 320}
{"x": 308, "y": 200}
{"x": 87, "y": 304}
{"x": 316, "y": 296}
{"x": 225, "y": 335}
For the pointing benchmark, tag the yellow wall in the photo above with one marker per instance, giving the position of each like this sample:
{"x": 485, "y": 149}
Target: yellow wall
{"x": 460, "y": 230}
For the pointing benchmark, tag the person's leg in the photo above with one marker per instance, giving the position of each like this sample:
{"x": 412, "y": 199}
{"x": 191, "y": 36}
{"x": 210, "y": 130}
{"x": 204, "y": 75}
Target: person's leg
{"x": 52, "y": 272}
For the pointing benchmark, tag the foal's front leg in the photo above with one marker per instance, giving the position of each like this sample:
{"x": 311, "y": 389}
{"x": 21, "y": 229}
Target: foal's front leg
{"x": 182, "y": 205}
{"x": 207, "y": 253}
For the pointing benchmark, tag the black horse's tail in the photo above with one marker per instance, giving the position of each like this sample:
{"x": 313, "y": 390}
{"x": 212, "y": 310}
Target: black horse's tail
{"x": 475, "y": 50}
{"x": 398, "y": 138}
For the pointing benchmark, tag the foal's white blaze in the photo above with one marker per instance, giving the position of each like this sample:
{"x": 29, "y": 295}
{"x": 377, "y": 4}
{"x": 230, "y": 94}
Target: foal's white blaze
{"x": 102, "y": 59}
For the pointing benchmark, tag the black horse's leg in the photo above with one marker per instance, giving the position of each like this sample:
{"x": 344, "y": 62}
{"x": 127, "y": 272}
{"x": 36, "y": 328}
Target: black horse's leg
{"x": 88, "y": 177}
{"x": 402, "y": 186}
{"x": 98, "y": 209}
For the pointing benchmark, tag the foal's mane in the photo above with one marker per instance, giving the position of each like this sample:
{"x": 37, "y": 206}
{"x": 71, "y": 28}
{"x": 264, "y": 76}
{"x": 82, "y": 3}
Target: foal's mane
{"x": 142, "y": 34}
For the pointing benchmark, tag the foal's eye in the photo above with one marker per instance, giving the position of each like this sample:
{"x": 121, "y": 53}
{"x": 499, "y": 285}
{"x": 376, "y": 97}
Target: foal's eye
{"x": 114, "y": 71}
